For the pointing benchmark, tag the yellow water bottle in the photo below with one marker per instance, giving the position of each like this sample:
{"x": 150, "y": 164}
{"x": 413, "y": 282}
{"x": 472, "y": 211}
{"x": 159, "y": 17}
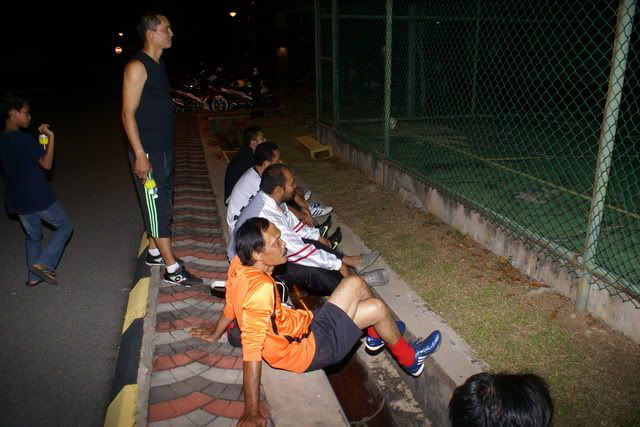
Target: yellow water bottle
{"x": 150, "y": 185}
{"x": 43, "y": 140}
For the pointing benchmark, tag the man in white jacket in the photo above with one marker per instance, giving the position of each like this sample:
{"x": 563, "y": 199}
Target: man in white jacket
{"x": 310, "y": 264}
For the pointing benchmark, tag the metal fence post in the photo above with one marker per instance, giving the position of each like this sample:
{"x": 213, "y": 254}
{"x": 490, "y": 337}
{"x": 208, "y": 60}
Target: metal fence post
{"x": 411, "y": 61}
{"x": 334, "y": 63}
{"x": 624, "y": 27}
{"x": 316, "y": 14}
{"x": 387, "y": 76}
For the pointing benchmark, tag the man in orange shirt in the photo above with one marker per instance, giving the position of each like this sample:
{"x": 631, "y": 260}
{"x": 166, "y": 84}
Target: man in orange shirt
{"x": 299, "y": 340}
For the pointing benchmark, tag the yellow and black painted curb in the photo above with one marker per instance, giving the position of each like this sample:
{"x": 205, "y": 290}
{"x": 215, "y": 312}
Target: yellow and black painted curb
{"x": 122, "y": 409}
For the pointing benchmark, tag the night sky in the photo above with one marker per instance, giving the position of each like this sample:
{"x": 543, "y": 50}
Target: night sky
{"x": 53, "y": 44}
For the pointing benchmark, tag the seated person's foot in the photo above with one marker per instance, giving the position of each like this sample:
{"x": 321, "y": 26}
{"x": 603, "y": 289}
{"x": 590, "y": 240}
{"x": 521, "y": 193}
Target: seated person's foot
{"x": 423, "y": 350}
{"x": 151, "y": 260}
{"x": 324, "y": 227}
{"x": 373, "y": 344}
{"x": 181, "y": 277}
{"x": 367, "y": 260}
{"x": 335, "y": 238}
{"x": 318, "y": 209}
{"x": 218, "y": 288}
{"x": 307, "y": 195}
{"x": 379, "y": 277}
{"x": 32, "y": 283}
{"x": 44, "y": 273}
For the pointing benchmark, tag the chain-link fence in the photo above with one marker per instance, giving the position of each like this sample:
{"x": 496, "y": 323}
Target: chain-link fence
{"x": 524, "y": 111}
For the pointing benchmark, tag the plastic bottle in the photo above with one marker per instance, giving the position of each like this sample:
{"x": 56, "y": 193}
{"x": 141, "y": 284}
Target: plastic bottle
{"x": 43, "y": 140}
{"x": 150, "y": 186}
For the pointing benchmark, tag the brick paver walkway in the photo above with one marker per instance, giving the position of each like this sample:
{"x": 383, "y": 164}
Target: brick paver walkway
{"x": 194, "y": 383}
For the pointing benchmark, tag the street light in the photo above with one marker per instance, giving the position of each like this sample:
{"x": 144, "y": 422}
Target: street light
{"x": 232, "y": 14}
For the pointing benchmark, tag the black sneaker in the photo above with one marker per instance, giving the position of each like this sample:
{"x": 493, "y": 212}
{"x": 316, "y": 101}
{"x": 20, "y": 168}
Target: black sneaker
{"x": 151, "y": 260}
{"x": 181, "y": 277}
{"x": 335, "y": 238}
{"x": 324, "y": 227}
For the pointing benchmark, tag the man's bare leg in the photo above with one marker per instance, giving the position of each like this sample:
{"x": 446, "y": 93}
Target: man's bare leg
{"x": 164, "y": 246}
{"x": 355, "y": 298}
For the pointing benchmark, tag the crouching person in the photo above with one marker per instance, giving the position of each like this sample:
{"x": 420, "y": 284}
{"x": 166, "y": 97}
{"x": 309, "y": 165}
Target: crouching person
{"x": 299, "y": 340}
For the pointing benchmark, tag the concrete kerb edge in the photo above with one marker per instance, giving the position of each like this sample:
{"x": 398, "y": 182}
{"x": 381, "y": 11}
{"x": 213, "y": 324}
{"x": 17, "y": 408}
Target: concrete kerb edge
{"x": 303, "y": 388}
{"x": 126, "y": 390}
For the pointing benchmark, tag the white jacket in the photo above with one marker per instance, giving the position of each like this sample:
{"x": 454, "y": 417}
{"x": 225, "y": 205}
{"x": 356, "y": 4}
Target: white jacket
{"x": 292, "y": 232}
{"x": 246, "y": 187}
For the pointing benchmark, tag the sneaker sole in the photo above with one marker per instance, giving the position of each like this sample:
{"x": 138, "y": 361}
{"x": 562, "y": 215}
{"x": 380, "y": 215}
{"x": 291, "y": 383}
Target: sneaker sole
{"x": 376, "y": 348}
{"x": 186, "y": 285}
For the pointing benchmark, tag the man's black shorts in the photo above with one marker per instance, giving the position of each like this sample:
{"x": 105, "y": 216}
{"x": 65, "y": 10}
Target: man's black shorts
{"x": 335, "y": 335}
{"x": 157, "y": 210}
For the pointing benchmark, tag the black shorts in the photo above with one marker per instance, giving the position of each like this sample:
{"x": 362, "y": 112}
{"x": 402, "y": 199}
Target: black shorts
{"x": 335, "y": 335}
{"x": 157, "y": 211}
{"x": 315, "y": 280}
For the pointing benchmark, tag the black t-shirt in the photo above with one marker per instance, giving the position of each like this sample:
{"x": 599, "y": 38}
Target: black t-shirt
{"x": 28, "y": 189}
{"x": 154, "y": 115}
{"x": 241, "y": 162}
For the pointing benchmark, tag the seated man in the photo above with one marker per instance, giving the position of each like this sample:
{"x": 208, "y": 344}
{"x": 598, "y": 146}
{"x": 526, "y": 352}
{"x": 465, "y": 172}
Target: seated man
{"x": 248, "y": 185}
{"x": 495, "y": 400}
{"x": 243, "y": 160}
{"x": 311, "y": 264}
{"x": 299, "y": 340}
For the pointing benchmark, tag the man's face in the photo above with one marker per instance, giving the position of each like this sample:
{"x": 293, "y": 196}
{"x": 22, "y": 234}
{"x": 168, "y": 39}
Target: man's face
{"x": 21, "y": 117}
{"x": 276, "y": 158}
{"x": 275, "y": 250}
{"x": 289, "y": 185}
{"x": 163, "y": 34}
{"x": 260, "y": 138}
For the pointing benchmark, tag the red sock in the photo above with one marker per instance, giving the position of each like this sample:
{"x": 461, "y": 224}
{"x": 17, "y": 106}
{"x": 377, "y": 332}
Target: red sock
{"x": 371, "y": 331}
{"x": 403, "y": 352}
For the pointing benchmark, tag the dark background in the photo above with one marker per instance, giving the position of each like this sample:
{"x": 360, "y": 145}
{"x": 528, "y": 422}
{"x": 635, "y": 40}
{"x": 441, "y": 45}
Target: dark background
{"x": 57, "y": 44}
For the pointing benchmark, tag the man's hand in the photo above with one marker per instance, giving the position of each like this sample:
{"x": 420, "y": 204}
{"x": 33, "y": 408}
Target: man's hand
{"x": 44, "y": 128}
{"x": 143, "y": 166}
{"x": 344, "y": 270}
{"x": 252, "y": 420}
{"x": 205, "y": 334}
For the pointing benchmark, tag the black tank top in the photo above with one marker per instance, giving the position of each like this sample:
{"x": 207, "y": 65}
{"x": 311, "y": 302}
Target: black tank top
{"x": 154, "y": 115}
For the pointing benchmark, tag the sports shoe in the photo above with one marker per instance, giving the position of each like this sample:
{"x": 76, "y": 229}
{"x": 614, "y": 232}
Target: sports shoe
{"x": 423, "y": 350}
{"x": 218, "y": 288}
{"x": 367, "y": 260}
{"x": 373, "y": 344}
{"x": 181, "y": 277}
{"x": 379, "y": 277}
{"x": 318, "y": 209}
{"x": 324, "y": 227}
{"x": 307, "y": 195}
{"x": 151, "y": 260}
{"x": 335, "y": 238}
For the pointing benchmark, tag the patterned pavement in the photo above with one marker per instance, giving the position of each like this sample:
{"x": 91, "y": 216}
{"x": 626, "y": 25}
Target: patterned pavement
{"x": 194, "y": 383}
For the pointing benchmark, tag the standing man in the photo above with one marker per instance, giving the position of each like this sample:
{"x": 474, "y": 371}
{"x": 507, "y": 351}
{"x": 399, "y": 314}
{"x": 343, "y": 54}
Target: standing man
{"x": 148, "y": 121}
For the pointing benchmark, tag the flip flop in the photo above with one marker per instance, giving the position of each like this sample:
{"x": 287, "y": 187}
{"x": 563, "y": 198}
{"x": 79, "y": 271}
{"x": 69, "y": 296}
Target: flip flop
{"x": 31, "y": 284}
{"x": 47, "y": 276}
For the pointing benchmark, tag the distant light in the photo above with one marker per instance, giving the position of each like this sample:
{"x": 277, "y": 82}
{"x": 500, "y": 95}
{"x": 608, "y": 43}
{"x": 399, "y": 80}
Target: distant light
{"x": 437, "y": 22}
{"x": 232, "y": 14}
{"x": 121, "y": 34}
{"x": 118, "y": 50}
{"x": 282, "y": 51}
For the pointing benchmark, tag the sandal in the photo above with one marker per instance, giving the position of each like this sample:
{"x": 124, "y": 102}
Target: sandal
{"x": 47, "y": 276}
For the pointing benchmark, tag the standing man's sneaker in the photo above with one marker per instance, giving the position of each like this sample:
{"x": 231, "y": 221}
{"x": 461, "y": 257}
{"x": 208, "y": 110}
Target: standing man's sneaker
{"x": 318, "y": 209}
{"x": 373, "y": 344}
{"x": 181, "y": 277}
{"x": 423, "y": 349}
{"x": 152, "y": 261}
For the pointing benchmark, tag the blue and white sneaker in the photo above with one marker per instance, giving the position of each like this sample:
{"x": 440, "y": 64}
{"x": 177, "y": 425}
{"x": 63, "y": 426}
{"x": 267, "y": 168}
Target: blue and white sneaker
{"x": 423, "y": 350}
{"x": 374, "y": 344}
{"x": 318, "y": 209}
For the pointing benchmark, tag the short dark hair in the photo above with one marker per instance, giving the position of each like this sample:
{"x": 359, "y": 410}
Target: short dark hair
{"x": 12, "y": 100}
{"x": 250, "y": 134}
{"x": 249, "y": 239}
{"x": 264, "y": 152}
{"x": 148, "y": 21}
{"x": 273, "y": 177}
{"x": 493, "y": 400}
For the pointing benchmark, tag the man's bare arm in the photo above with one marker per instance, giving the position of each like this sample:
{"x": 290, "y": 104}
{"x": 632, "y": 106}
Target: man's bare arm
{"x": 252, "y": 372}
{"x": 212, "y": 334}
{"x": 135, "y": 77}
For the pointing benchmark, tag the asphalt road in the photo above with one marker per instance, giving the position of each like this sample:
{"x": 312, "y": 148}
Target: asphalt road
{"x": 59, "y": 344}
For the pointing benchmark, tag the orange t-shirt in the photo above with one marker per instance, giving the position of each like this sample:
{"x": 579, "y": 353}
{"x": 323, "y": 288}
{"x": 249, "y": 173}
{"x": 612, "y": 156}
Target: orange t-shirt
{"x": 279, "y": 335}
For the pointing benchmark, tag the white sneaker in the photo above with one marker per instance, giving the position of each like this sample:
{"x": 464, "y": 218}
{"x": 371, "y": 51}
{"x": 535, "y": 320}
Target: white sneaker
{"x": 318, "y": 209}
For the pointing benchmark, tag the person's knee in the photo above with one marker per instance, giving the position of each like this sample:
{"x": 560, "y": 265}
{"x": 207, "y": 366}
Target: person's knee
{"x": 33, "y": 234}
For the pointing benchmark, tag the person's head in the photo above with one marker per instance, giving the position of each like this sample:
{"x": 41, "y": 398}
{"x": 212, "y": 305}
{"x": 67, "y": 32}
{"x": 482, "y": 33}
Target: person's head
{"x": 258, "y": 241}
{"x": 278, "y": 182}
{"x": 266, "y": 154}
{"x": 253, "y": 136}
{"x": 155, "y": 30}
{"x": 493, "y": 400}
{"x": 15, "y": 111}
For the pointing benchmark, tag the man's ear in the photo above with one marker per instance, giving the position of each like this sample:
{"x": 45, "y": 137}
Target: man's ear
{"x": 256, "y": 256}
